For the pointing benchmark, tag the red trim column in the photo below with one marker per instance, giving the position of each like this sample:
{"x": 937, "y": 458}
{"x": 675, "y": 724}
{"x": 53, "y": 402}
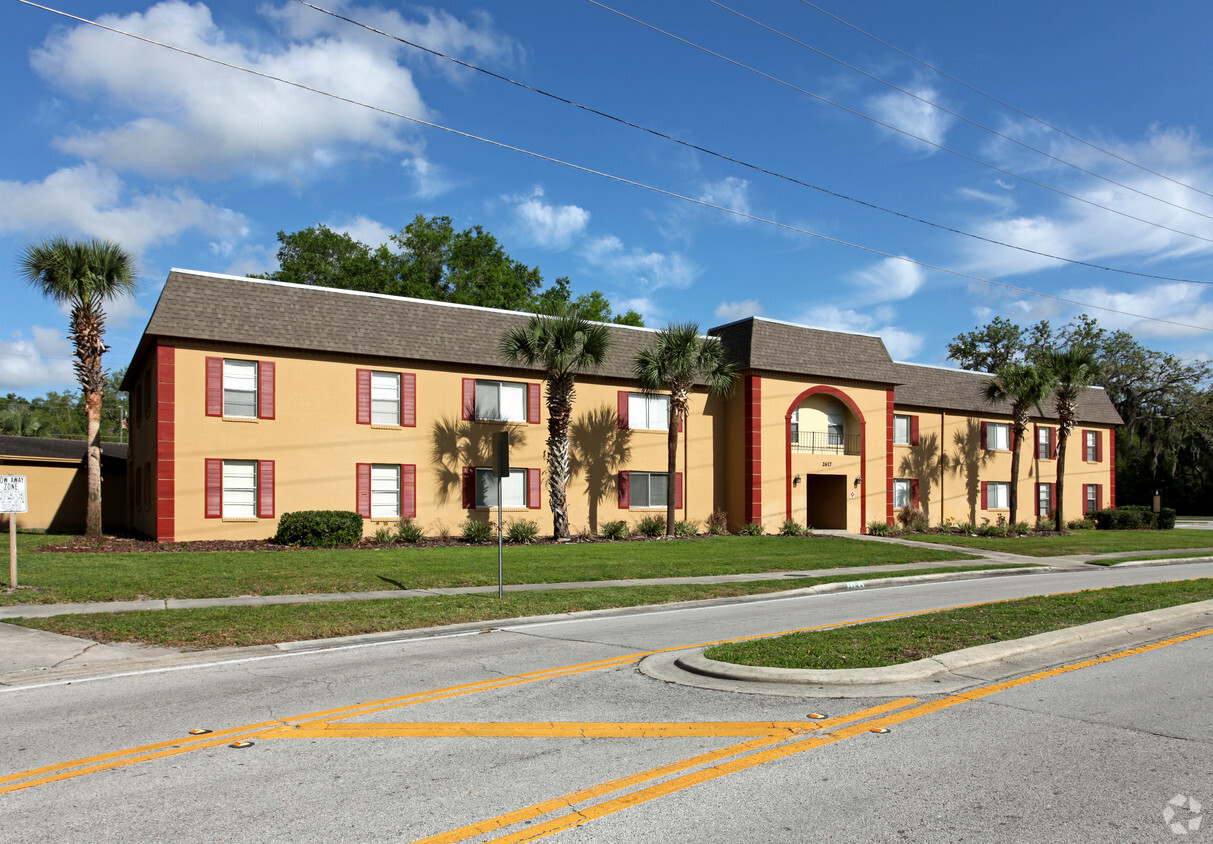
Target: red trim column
{"x": 166, "y": 433}
{"x": 1112, "y": 468}
{"x": 753, "y": 448}
{"x": 888, "y": 462}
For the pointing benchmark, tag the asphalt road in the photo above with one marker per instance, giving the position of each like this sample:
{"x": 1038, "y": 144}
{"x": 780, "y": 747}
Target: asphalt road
{"x": 456, "y": 738}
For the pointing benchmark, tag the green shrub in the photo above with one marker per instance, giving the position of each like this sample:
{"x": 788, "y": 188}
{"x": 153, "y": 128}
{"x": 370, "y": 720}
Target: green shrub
{"x": 476, "y": 532}
{"x": 717, "y": 523}
{"x": 1045, "y": 523}
{"x": 988, "y": 529}
{"x": 384, "y": 536}
{"x": 651, "y": 526}
{"x": 1133, "y": 517}
{"x": 1080, "y": 524}
{"x": 878, "y": 528}
{"x": 791, "y": 527}
{"x": 409, "y": 532}
{"x": 1021, "y": 529}
{"x": 319, "y": 528}
{"x": 752, "y": 529}
{"x": 615, "y": 530}
{"x": 918, "y": 525}
{"x": 522, "y": 532}
{"x": 1166, "y": 519}
{"x": 684, "y": 528}
{"x": 966, "y": 528}
{"x": 907, "y": 516}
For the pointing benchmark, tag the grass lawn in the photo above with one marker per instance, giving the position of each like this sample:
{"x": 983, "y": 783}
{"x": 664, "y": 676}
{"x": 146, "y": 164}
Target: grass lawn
{"x": 222, "y": 626}
{"x": 76, "y": 577}
{"x": 1079, "y": 542}
{"x": 1170, "y": 555}
{"x": 908, "y": 639}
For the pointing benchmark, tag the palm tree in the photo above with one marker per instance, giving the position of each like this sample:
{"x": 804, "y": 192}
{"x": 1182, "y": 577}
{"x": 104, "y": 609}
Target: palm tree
{"x": 562, "y": 343}
{"x": 681, "y": 356}
{"x": 1073, "y": 370}
{"x": 1025, "y": 387}
{"x": 84, "y": 274}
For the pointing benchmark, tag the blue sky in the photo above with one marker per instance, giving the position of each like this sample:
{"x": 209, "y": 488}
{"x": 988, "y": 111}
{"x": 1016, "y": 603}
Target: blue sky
{"x": 198, "y": 166}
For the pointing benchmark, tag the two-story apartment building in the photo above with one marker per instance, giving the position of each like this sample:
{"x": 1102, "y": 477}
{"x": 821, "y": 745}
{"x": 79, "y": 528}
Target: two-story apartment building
{"x": 251, "y": 398}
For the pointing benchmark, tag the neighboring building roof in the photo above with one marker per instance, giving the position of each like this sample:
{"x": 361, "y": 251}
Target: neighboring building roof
{"x": 962, "y": 390}
{"x": 231, "y": 309}
{"x": 767, "y": 344}
{"x": 46, "y": 448}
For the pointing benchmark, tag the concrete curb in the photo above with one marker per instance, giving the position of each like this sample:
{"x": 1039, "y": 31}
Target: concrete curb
{"x": 1166, "y": 561}
{"x": 943, "y": 673}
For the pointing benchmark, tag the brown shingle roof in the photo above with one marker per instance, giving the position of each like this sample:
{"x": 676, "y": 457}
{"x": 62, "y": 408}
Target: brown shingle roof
{"x": 961, "y": 390}
{"x": 757, "y": 343}
{"x": 217, "y": 308}
{"x": 50, "y": 448}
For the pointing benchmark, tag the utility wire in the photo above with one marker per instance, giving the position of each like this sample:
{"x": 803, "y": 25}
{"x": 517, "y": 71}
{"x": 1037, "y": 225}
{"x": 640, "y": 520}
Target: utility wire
{"x": 957, "y": 115}
{"x": 889, "y": 126}
{"x": 591, "y": 171}
{"x": 740, "y": 162}
{"x": 1006, "y": 104}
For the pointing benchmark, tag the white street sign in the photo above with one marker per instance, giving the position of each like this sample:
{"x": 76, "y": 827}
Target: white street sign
{"x": 12, "y": 494}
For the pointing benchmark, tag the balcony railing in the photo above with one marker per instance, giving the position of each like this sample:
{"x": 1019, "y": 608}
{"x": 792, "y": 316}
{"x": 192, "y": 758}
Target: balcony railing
{"x": 825, "y": 442}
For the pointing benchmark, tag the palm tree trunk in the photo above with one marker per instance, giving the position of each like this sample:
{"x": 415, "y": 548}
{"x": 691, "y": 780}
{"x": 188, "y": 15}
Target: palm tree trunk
{"x": 560, "y": 410}
{"x": 1062, "y": 438}
{"x": 92, "y": 408}
{"x": 1014, "y": 502}
{"x": 671, "y": 472}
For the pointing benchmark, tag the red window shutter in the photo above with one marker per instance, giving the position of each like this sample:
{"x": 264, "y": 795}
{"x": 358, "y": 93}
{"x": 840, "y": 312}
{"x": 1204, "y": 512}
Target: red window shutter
{"x": 534, "y": 496}
{"x": 265, "y": 489}
{"x": 623, "y": 490}
{"x": 984, "y": 494}
{"x": 680, "y": 421}
{"x": 914, "y": 493}
{"x": 1098, "y": 497}
{"x": 214, "y": 386}
{"x": 1085, "y": 432}
{"x": 622, "y": 412}
{"x": 469, "y": 400}
{"x": 678, "y": 490}
{"x": 914, "y": 433}
{"x": 265, "y": 389}
{"x": 983, "y": 436}
{"x": 408, "y": 491}
{"x": 1052, "y": 498}
{"x": 1052, "y": 443}
{"x": 1098, "y": 446}
{"x": 1036, "y": 500}
{"x": 408, "y": 399}
{"x": 214, "y": 488}
{"x": 532, "y": 403}
{"x": 363, "y": 401}
{"x": 469, "y": 487}
{"x": 1036, "y": 441}
{"x": 364, "y": 490}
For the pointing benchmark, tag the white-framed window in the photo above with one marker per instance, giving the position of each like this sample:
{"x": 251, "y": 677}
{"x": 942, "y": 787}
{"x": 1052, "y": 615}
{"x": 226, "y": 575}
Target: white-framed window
{"x": 901, "y": 430}
{"x": 1044, "y": 499}
{"x": 1092, "y": 445}
{"x": 503, "y": 401}
{"x": 385, "y": 398}
{"x": 901, "y": 493}
{"x": 385, "y": 490}
{"x": 998, "y": 436}
{"x": 239, "y": 489}
{"x": 513, "y": 488}
{"x": 240, "y": 388}
{"x": 1044, "y": 443}
{"x": 835, "y": 424}
{"x": 648, "y": 412}
{"x": 1092, "y": 498}
{"x": 998, "y": 495}
{"x": 648, "y": 489}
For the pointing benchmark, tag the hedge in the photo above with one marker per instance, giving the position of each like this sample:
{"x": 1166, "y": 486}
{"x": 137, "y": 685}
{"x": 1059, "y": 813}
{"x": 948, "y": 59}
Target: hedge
{"x": 319, "y": 528}
{"x": 1133, "y": 517}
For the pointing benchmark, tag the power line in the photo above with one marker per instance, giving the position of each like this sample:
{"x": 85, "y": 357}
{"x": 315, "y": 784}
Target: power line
{"x": 958, "y": 115}
{"x": 889, "y": 126}
{"x": 740, "y": 162}
{"x": 1006, "y": 104}
{"x": 612, "y": 177}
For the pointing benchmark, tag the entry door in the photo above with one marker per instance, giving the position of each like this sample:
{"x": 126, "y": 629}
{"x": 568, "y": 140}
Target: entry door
{"x": 827, "y": 501}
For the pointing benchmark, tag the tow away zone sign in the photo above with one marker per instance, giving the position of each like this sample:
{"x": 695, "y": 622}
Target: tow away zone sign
{"x": 12, "y": 494}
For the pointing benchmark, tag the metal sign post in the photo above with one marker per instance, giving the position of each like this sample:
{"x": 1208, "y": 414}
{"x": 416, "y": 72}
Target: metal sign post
{"x": 501, "y": 468}
{"x": 13, "y": 500}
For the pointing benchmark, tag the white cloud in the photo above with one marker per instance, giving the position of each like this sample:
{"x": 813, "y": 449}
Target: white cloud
{"x": 654, "y": 314}
{"x": 648, "y": 269}
{"x": 430, "y": 179}
{"x": 365, "y": 230}
{"x": 731, "y": 193}
{"x": 889, "y": 280}
{"x": 96, "y": 203}
{"x": 901, "y": 344}
{"x": 729, "y": 311}
{"x": 545, "y": 225}
{"x": 194, "y": 117}
{"x": 42, "y": 358}
{"x": 913, "y": 116}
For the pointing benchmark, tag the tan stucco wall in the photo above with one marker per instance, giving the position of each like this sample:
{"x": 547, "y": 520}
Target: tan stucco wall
{"x": 57, "y": 495}
{"x": 779, "y": 396}
{"x": 316, "y": 444}
{"x": 950, "y": 464}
